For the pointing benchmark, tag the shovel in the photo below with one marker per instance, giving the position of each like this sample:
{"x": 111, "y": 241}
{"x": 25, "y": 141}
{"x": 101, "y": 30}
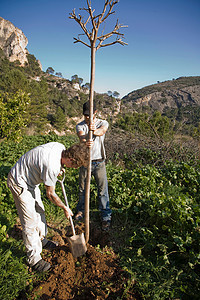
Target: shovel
{"x": 76, "y": 242}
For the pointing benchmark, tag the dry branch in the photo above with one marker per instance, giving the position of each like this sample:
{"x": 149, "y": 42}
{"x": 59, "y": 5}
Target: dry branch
{"x": 96, "y": 21}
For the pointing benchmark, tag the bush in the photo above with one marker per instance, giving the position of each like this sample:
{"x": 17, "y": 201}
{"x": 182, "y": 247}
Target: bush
{"x": 162, "y": 228}
{"x": 156, "y": 215}
{"x": 14, "y": 275}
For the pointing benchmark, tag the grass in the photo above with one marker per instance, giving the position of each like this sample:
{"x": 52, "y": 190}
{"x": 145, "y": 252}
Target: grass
{"x": 155, "y": 225}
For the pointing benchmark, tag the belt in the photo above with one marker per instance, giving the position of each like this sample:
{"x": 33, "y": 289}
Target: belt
{"x": 98, "y": 160}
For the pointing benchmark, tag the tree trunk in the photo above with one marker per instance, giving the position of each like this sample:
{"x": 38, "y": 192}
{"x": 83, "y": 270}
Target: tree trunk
{"x": 87, "y": 188}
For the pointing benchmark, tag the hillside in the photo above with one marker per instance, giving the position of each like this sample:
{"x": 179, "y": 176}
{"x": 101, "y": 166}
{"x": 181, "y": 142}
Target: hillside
{"x": 177, "y": 99}
{"x": 56, "y": 102}
{"x": 153, "y": 169}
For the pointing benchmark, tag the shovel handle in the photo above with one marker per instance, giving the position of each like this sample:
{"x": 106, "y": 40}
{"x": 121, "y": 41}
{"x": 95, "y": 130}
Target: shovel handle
{"x": 66, "y": 201}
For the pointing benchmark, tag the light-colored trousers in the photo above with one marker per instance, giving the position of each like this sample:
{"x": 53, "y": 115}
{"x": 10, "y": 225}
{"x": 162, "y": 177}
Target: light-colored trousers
{"x": 32, "y": 217}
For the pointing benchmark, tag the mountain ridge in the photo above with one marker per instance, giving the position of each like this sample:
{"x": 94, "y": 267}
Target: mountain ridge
{"x": 178, "y": 99}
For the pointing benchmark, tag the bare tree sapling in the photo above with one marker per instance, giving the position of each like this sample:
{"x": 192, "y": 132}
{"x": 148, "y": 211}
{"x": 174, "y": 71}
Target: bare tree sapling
{"x": 90, "y": 24}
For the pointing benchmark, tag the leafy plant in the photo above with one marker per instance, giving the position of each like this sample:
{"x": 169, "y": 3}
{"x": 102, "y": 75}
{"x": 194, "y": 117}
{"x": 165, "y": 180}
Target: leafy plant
{"x": 14, "y": 275}
{"x": 12, "y": 111}
{"x": 156, "y": 221}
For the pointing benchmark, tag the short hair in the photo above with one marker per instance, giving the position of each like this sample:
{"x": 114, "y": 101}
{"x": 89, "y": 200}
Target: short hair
{"x": 80, "y": 154}
{"x": 86, "y": 108}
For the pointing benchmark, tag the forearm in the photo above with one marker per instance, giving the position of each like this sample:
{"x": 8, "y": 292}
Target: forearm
{"x": 100, "y": 131}
{"x": 53, "y": 197}
{"x": 56, "y": 200}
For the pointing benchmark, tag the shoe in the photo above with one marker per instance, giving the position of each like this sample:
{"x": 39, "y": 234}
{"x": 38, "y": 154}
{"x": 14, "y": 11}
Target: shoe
{"x": 105, "y": 225}
{"x": 41, "y": 266}
{"x": 50, "y": 245}
{"x": 79, "y": 216}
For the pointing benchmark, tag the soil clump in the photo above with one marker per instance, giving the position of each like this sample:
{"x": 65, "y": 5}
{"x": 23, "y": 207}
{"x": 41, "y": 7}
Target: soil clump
{"x": 95, "y": 275}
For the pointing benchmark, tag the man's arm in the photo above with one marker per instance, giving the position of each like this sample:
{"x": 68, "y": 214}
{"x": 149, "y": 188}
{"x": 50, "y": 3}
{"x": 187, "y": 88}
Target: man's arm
{"x": 51, "y": 194}
{"x": 82, "y": 136}
{"x": 83, "y": 139}
{"x": 96, "y": 131}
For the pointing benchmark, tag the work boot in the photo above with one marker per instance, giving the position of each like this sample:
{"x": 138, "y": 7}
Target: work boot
{"x": 105, "y": 225}
{"x": 79, "y": 216}
{"x": 41, "y": 266}
{"x": 50, "y": 245}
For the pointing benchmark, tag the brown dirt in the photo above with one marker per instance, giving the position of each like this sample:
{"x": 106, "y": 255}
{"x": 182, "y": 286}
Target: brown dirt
{"x": 95, "y": 275}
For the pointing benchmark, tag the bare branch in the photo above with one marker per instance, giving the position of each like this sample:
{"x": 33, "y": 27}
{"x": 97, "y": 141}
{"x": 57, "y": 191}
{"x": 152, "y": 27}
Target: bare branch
{"x": 118, "y": 41}
{"x": 91, "y": 15}
{"x": 106, "y": 36}
{"x": 80, "y": 22}
{"x": 87, "y": 21}
{"x": 115, "y": 31}
{"x": 96, "y": 21}
{"x": 89, "y": 3}
{"x": 111, "y": 3}
{"x": 77, "y": 40}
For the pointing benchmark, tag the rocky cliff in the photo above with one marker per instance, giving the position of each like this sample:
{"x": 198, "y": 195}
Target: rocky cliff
{"x": 13, "y": 42}
{"x": 173, "y": 94}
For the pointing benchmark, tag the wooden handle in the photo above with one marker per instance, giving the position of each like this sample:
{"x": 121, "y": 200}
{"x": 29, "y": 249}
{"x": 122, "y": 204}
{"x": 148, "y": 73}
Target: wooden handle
{"x": 65, "y": 197}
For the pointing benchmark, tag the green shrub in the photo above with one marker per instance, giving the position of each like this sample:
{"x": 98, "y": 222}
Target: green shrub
{"x": 14, "y": 275}
{"x": 155, "y": 210}
{"x": 162, "y": 229}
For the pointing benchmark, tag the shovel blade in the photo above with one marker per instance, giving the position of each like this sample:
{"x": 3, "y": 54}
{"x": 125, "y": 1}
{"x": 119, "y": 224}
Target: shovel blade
{"x": 77, "y": 245}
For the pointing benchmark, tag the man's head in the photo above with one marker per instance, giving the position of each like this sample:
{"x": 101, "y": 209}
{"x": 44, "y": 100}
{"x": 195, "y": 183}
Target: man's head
{"x": 76, "y": 156}
{"x": 86, "y": 108}
{"x": 86, "y": 111}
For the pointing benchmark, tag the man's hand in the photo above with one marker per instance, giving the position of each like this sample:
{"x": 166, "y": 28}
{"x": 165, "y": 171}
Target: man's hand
{"x": 60, "y": 175}
{"x": 67, "y": 212}
{"x": 97, "y": 131}
{"x": 92, "y": 126}
{"x": 89, "y": 143}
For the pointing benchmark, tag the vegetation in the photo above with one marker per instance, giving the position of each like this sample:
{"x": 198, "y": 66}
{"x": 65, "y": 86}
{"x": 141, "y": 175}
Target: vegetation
{"x": 156, "y": 214}
{"x": 114, "y": 94}
{"x": 155, "y": 125}
{"x": 50, "y": 70}
{"x": 44, "y": 100}
{"x": 176, "y": 99}
{"x": 95, "y": 41}
{"x": 76, "y": 79}
{"x": 15, "y": 79}
{"x": 153, "y": 175}
{"x": 161, "y": 217}
{"x": 49, "y": 94}
{"x": 162, "y": 86}
{"x": 12, "y": 114}
{"x": 32, "y": 67}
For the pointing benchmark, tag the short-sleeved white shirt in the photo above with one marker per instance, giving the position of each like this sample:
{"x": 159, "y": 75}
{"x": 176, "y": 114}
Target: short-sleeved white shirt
{"x": 41, "y": 164}
{"x": 98, "y": 149}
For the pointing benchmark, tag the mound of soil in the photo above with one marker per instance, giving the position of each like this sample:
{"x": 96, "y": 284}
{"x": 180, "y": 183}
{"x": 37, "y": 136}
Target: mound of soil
{"x": 95, "y": 275}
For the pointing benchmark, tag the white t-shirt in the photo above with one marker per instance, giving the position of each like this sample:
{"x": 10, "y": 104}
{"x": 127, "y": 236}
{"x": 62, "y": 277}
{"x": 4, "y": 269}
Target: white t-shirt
{"x": 98, "y": 149}
{"x": 41, "y": 164}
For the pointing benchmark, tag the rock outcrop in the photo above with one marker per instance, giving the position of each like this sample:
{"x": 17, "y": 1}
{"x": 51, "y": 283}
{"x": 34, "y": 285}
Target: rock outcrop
{"x": 13, "y": 42}
{"x": 182, "y": 92}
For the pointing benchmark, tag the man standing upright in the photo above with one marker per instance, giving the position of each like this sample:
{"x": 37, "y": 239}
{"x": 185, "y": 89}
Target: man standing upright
{"x": 98, "y": 168}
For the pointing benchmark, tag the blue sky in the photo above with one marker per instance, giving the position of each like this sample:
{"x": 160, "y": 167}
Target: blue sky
{"x": 163, "y": 39}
